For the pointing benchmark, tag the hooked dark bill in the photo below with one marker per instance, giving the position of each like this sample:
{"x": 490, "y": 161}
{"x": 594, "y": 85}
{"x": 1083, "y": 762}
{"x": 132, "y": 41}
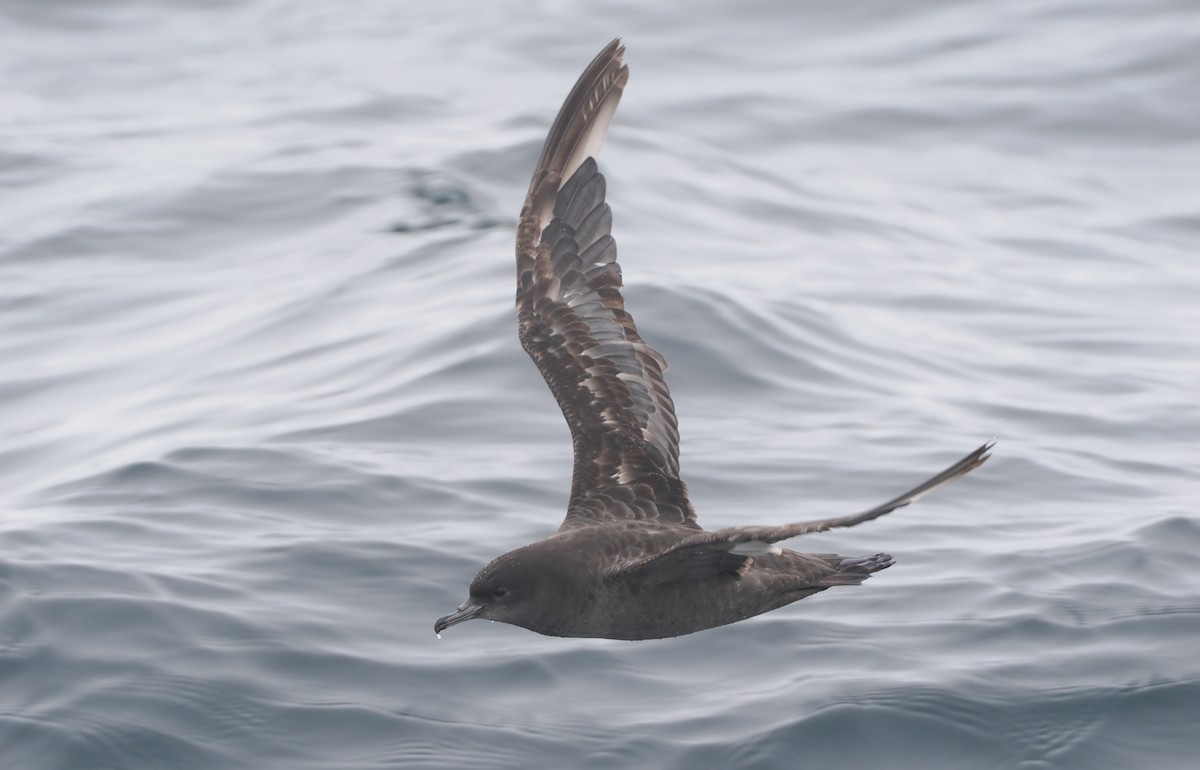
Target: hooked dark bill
{"x": 465, "y": 611}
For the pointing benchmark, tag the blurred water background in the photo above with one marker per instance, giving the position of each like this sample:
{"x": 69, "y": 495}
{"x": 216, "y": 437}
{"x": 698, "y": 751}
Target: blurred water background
{"x": 264, "y": 412}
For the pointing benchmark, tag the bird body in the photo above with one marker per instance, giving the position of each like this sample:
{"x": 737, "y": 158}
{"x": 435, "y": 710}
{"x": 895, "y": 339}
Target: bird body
{"x": 630, "y": 560}
{"x": 627, "y": 604}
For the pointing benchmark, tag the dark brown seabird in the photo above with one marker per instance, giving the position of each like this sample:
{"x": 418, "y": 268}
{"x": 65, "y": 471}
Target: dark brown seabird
{"x": 629, "y": 561}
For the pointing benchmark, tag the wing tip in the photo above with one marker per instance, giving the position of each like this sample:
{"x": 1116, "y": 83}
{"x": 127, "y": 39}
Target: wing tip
{"x": 583, "y": 119}
{"x": 980, "y": 455}
{"x": 961, "y": 468}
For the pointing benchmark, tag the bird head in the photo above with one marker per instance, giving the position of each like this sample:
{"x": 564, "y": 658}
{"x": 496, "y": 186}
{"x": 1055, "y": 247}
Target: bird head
{"x": 512, "y": 589}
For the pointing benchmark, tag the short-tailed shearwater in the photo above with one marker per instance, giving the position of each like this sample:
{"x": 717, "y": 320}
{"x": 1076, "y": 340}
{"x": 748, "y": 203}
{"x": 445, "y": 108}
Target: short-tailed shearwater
{"x": 629, "y": 561}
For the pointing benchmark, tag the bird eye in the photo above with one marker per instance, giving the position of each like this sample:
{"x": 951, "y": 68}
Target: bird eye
{"x": 499, "y": 592}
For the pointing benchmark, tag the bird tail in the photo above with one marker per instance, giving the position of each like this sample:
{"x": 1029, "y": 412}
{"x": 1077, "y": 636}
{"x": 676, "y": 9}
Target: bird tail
{"x": 853, "y": 570}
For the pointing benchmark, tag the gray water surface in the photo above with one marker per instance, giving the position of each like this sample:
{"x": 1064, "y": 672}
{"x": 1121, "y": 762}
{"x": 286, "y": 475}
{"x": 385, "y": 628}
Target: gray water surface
{"x": 264, "y": 413}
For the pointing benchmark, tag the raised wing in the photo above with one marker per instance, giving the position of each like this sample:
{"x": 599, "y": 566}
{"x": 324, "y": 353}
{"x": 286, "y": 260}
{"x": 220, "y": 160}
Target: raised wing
{"x": 572, "y": 321}
{"x": 710, "y": 548}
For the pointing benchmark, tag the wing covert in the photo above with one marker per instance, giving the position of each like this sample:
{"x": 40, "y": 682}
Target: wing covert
{"x": 572, "y": 319}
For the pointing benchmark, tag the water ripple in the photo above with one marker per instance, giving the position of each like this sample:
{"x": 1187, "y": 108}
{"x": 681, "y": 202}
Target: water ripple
{"x": 265, "y": 412}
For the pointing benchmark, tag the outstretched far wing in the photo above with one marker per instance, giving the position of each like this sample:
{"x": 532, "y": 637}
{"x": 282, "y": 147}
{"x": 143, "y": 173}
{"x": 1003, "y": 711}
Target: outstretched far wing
{"x": 572, "y": 321}
{"x": 711, "y": 547}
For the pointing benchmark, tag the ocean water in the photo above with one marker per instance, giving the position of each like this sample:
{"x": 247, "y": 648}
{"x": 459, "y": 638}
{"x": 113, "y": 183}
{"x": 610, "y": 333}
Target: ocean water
{"x": 264, "y": 413}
